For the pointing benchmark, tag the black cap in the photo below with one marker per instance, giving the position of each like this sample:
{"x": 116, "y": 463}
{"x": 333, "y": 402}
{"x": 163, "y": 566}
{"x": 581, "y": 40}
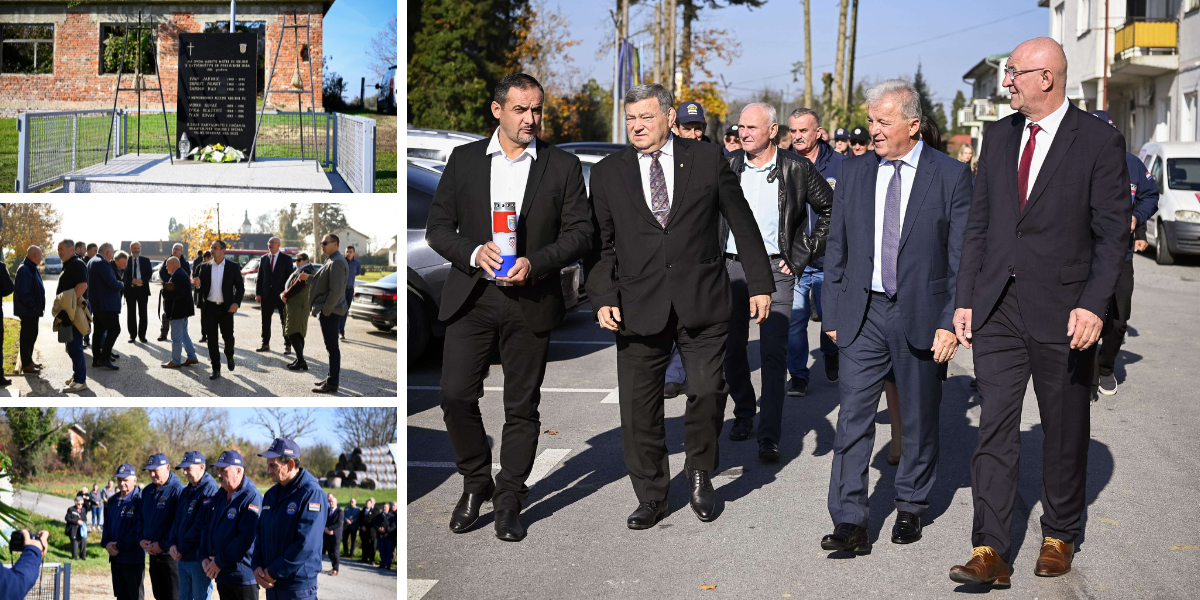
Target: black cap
{"x": 859, "y": 134}
{"x": 690, "y": 112}
{"x": 733, "y": 130}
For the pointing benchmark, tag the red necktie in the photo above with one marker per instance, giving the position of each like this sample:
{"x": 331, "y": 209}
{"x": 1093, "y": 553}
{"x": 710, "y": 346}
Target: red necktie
{"x": 1023, "y": 169}
{"x": 272, "y": 263}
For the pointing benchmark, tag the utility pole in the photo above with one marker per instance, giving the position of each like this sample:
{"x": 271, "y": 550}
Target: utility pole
{"x": 316, "y": 233}
{"x": 1104, "y": 103}
{"x": 849, "y": 83}
{"x": 839, "y": 69}
{"x": 671, "y": 14}
{"x": 658, "y": 42}
{"x": 628, "y": 51}
{"x": 616, "y": 86}
{"x": 808, "y": 93}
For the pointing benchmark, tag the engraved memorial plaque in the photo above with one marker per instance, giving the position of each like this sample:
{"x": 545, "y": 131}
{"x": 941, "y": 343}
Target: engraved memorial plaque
{"x": 217, "y": 89}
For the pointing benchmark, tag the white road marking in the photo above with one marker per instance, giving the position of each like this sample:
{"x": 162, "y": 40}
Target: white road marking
{"x": 417, "y": 588}
{"x": 541, "y": 465}
{"x": 435, "y": 388}
{"x": 613, "y": 397}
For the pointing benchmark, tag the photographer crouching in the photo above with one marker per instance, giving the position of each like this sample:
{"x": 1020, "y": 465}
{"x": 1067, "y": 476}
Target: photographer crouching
{"x": 17, "y": 581}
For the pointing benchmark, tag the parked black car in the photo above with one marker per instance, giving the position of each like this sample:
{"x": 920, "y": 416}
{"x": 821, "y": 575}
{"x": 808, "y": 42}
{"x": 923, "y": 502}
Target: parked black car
{"x": 376, "y": 302}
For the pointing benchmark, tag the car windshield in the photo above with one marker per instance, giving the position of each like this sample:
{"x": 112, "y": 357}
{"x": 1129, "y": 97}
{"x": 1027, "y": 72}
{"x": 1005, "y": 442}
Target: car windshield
{"x": 1183, "y": 174}
{"x": 53, "y": 260}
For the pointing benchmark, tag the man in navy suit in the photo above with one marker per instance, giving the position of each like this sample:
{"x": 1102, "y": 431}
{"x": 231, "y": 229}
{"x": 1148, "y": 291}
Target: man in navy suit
{"x": 105, "y": 300}
{"x": 899, "y": 214}
{"x": 274, "y": 268}
{"x": 137, "y": 292}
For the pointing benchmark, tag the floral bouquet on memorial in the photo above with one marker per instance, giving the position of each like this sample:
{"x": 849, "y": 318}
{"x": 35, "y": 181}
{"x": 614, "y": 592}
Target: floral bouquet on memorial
{"x": 216, "y": 153}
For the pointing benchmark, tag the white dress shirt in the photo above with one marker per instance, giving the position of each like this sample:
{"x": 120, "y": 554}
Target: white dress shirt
{"x": 1041, "y": 147}
{"x": 908, "y": 172}
{"x": 218, "y": 277}
{"x": 664, "y": 160}
{"x": 509, "y": 176}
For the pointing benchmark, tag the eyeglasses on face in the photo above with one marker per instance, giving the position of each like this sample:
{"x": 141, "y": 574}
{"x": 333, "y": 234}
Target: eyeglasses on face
{"x": 1012, "y": 73}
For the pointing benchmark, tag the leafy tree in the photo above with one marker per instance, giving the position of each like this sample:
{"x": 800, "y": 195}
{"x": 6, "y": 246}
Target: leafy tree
{"x": 583, "y": 116}
{"x": 459, "y": 50}
{"x": 202, "y": 230}
{"x": 319, "y": 459}
{"x": 27, "y": 224}
{"x": 329, "y": 216}
{"x": 937, "y": 113}
{"x": 288, "y": 232}
{"x": 960, "y": 102}
{"x": 114, "y": 436}
{"x": 114, "y": 46}
{"x": 32, "y": 428}
{"x": 332, "y": 88}
{"x": 64, "y": 448}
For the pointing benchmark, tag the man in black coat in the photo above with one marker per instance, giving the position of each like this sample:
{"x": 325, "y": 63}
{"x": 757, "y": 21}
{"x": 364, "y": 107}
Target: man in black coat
{"x": 385, "y": 532}
{"x": 333, "y": 533}
{"x": 659, "y": 279}
{"x": 1044, "y": 247}
{"x": 274, "y": 268}
{"x": 365, "y": 517}
{"x": 163, "y": 276}
{"x": 221, "y": 290}
{"x": 137, "y": 292}
{"x": 177, "y": 290}
{"x": 517, "y": 182}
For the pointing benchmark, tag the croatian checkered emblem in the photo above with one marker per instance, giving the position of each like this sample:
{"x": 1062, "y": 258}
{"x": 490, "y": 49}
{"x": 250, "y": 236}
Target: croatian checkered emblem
{"x": 512, "y": 242}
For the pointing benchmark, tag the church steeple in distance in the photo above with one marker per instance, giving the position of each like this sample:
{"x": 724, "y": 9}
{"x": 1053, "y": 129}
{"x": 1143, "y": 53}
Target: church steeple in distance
{"x": 246, "y": 227}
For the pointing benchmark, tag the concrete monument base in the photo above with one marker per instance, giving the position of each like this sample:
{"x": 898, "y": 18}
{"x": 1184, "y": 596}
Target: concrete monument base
{"x": 155, "y": 173}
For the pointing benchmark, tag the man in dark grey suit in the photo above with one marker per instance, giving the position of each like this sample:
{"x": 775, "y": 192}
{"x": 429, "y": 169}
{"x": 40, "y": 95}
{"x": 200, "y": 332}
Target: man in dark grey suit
{"x": 329, "y": 305}
{"x": 899, "y": 214}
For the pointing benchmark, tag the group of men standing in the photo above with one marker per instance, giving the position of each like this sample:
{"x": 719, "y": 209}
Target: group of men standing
{"x": 375, "y": 527}
{"x": 685, "y": 244}
{"x": 94, "y": 279}
{"x": 225, "y": 531}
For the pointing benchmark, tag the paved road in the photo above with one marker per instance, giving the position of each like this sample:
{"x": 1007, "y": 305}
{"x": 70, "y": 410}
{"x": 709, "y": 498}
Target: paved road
{"x": 368, "y": 361}
{"x": 1141, "y": 538}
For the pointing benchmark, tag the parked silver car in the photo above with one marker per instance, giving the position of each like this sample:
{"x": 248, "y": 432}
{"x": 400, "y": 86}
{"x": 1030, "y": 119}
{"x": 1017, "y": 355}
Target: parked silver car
{"x": 427, "y": 270}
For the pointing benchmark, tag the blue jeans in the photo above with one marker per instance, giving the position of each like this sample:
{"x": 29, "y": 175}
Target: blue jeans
{"x": 329, "y": 331}
{"x": 181, "y": 341}
{"x": 675, "y": 372}
{"x": 75, "y": 351}
{"x": 95, "y": 515}
{"x": 349, "y": 299}
{"x": 797, "y": 351}
{"x": 193, "y": 583}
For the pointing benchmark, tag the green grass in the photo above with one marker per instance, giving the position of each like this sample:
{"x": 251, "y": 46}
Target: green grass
{"x": 344, "y": 495}
{"x": 12, "y": 334}
{"x": 385, "y": 173}
{"x": 374, "y": 276}
{"x": 60, "y": 545}
{"x": 8, "y": 154}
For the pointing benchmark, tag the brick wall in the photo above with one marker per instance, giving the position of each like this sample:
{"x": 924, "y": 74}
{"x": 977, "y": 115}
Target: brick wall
{"x": 76, "y": 83}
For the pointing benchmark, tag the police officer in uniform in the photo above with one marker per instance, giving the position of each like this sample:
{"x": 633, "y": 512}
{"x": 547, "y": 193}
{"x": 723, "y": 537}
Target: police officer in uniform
{"x": 231, "y": 526}
{"x": 368, "y": 534}
{"x": 159, "y": 501}
{"x": 287, "y": 553}
{"x": 184, "y": 540}
{"x": 122, "y": 534}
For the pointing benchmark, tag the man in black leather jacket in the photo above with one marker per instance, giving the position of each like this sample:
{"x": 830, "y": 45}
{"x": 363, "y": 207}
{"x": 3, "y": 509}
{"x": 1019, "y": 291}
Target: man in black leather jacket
{"x": 777, "y": 185}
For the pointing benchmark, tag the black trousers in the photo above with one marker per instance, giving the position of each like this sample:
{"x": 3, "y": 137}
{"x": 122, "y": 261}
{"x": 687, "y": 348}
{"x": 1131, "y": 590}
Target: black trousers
{"x": 79, "y": 548}
{"x": 29, "y": 336}
{"x": 212, "y": 318}
{"x": 368, "y": 547}
{"x": 331, "y": 548}
{"x": 136, "y": 308}
{"x": 164, "y": 577}
{"x": 1006, "y": 356}
{"x": 270, "y": 304}
{"x": 297, "y": 341}
{"x": 879, "y": 348}
{"x": 641, "y": 367}
{"x": 492, "y": 315}
{"x": 772, "y": 350}
{"x": 237, "y": 591}
{"x": 329, "y": 333}
{"x": 107, "y": 325}
{"x": 1119, "y": 309}
{"x": 127, "y": 580}
{"x": 349, "y": 543}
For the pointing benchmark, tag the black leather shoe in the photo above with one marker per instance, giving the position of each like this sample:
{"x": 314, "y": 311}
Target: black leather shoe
{"x": 768, "y": 450}
{"x": 672, "y": 389}
{"x": 466, "y": 512}
{"x": 647, "y": 515}
{"x": 298, "y": 366}
{"x": 325, "y": 388}
{"x": 797, "y": 386}
{"x": 831, "y": 368}
{"x": 740, "y": 431}
{"x": 114, "y": 355}
{"x": 229, "y": 359}
{"x": 907, "y": 528}
{"x": 142, "y": 339}
{"x": 107, "y": 364}
{"x": 216, "y": 374}
{"x": 703, "y": 497}
{"x": 162, "y": 338}
{"x": 508, "y": 526}
{"x": 4, "y": 381}
{"x": 847, "y": 537}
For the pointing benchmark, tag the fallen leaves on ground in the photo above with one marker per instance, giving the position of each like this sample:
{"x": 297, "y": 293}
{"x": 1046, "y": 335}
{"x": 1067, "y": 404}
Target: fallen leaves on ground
{"x": 708, "y": 587}
{"x": 1187, "y": 547}
{"x": 550, "y": 432}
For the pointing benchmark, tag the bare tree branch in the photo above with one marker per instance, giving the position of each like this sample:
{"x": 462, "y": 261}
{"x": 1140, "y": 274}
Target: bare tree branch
{"x": 286, "y": 423}
{"x": 382, "y": 50}
{"x": 362, "y": 426}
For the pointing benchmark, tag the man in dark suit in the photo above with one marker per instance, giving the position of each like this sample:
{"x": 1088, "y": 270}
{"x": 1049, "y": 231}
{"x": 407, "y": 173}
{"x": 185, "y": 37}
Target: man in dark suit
{"x": 890, "y": 267}
{"x": 221, "y": 289}
{"x": 137, "y": 292}
{"x": 511, "y": 172}
{"x": 333, "y": 533}
{"x": 656, "y": 289}
{"x": 29, "y": 304}
{"x": 104, "y": 297}
{"x": 1044, "y": 247}
{"x": 274, "y": 268}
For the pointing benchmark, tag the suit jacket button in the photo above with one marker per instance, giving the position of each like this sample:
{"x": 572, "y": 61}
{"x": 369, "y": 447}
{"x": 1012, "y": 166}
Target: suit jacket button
{"x": 668, "y": 265}
{"x": 1018, "y": 235}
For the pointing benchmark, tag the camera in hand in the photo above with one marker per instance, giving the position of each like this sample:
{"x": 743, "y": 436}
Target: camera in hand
{"x": 16, "y": 542}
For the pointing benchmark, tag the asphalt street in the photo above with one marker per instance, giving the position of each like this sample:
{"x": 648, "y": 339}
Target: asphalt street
{"x": 368, "y": 360}
{"x": 1141, "y": 538}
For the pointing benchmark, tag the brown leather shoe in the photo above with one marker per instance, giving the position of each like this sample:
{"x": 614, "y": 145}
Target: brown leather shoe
{"x": 190, "y": 361}
{"x": 985, "y": 568}
{"x": 1055, "y": 558}
{"x": 30, "y": 369}
{"x": 170, "y": 365}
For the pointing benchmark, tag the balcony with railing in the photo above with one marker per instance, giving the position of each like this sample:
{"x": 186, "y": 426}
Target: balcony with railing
{"x": 1145, "y": 48}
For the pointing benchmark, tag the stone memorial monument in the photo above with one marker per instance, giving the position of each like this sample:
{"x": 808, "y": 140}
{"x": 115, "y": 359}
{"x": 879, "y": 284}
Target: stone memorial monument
{"x": 216, "y": 91}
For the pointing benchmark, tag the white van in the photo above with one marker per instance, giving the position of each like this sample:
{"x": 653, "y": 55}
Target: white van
{"x": 1175, "y": 229}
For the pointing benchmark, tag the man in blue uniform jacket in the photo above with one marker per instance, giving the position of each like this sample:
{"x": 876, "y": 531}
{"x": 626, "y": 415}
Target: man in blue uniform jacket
{"x": 122, "y": 534}
{"x": 184, "y": 540}
{"x": 287, "y": 555}
{"x": 231, "y": 527}
{"x": 159, "y": 501}
{"x": 17, "y": 581}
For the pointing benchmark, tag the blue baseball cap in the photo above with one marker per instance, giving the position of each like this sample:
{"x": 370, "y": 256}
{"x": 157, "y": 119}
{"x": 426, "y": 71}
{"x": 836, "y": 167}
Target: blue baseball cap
{"x": 282, "y": 447}
{"x": 230, "y": 458}
{"x": 192, "y": 457}
{"x": 1102, "y": 115}
{"x": 155, "y": 461}
{"x": 690, "y": 112}
{"x": 841, "y": 134}
{"x": 125, "y": 471}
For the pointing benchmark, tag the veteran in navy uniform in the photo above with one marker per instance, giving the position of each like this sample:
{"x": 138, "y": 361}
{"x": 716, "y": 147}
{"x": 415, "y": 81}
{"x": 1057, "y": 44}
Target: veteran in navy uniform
{"x": 287, "y": 555}
{"x": 231, "y": 527}
{"x": 184, "y": 540}
{"x": 159, "y": 501}
{"x": 122, "y": 532}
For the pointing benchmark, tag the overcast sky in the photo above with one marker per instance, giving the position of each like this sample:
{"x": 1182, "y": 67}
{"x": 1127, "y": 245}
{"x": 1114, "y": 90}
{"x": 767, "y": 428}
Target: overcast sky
{"x": 116, "y": 220}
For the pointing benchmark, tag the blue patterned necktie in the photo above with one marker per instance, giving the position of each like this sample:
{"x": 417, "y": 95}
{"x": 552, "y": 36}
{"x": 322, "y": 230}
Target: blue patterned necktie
{"x": 658, "y": 190}
{"x": 891, "y": 232}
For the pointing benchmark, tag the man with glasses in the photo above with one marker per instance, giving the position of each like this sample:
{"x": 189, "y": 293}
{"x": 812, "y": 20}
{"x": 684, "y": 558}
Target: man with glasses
{"x": 859, "y": 141}
{"x": 329, "y": 306}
